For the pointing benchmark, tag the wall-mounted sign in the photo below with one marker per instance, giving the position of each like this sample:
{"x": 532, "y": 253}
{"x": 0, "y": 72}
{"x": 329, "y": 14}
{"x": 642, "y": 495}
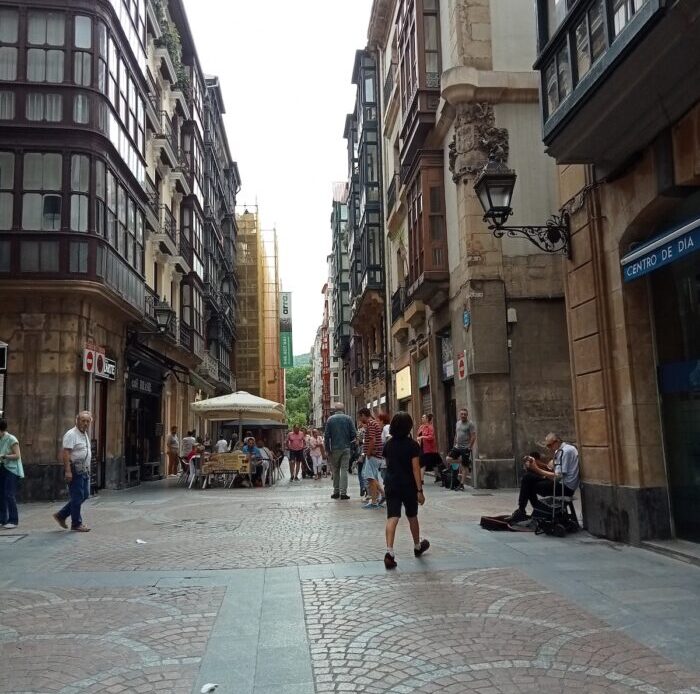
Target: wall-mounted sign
{"x": 466, "y": 319}
{"x": 285, "y": 317}
{"x": 403, "y": 383}
{"x": 461, "y": 366}
{"x": 140, "y": 385}
{"x": 89, "y": 361}
{"x": 105, "y": 368}
{"x": 663, "y": 250}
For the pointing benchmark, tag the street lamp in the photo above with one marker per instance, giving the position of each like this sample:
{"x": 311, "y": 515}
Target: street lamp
{"x": 494, "y": 187}
{"x": 375, "y": 363}
{"x": 164, "y": 316}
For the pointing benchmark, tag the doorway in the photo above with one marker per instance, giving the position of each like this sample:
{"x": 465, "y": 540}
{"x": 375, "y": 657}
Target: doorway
{"x": 676, "y": 297}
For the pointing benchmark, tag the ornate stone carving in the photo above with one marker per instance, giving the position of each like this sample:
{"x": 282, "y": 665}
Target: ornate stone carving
{"x": 476, "y": 139}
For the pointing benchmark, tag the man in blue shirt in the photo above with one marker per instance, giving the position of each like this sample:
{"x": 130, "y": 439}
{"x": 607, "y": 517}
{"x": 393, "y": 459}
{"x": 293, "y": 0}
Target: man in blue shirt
{"x": 338, "y": 436}
{"x": 560, "y": 476}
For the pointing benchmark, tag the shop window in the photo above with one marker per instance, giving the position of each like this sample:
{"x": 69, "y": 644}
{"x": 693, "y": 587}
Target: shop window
{"x": 78, "y": 257}
{"x": 44, "y": 107}
{"x": 7, "y": 182}
{"x": 80, "y": 185}
{"x": 81, "y": 108}
{"x": 39, "y": 256}
{"x": 41, "y": 208}
{"x": 7, "y": 105}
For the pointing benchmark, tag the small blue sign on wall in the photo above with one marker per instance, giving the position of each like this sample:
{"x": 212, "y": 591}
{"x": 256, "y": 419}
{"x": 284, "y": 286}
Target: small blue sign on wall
{"x": 467, "y": 319}
{"x": 662, "y": 251}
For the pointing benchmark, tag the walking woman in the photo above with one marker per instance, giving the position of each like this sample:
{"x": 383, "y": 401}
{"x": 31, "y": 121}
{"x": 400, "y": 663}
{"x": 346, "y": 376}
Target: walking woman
{"x": 430, "y": 458}
{"x": 10, "y": 471}
{"x": 403, "y": 485}
{"x": 315, "y": 443}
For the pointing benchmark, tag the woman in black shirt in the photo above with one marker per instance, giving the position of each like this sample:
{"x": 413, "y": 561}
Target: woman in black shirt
{"x": 403, "y": 485}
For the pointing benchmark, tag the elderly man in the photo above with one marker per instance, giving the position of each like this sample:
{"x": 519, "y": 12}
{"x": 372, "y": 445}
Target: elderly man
{"x": 76, "y": 462}
{"x": 338, "y": 436}
{"x": 540, "y": 479}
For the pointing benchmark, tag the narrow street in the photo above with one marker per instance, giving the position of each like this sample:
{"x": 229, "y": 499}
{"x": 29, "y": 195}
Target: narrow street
{"x": 284, "y": 590}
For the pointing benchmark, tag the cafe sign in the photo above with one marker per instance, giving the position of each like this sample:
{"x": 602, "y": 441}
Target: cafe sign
{"x": 662, "y": 251}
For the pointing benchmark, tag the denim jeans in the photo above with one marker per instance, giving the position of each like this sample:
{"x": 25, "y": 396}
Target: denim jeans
{"x": 79, "y": 490}
{"x": 8, "y": 504}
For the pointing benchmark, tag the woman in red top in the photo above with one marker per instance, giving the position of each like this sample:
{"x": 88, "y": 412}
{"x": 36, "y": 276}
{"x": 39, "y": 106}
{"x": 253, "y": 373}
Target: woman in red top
{"x": 429, "y": 457}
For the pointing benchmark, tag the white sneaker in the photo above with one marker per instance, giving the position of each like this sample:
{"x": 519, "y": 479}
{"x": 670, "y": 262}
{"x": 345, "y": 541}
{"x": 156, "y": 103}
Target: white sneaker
{"x": 9, "y": 526}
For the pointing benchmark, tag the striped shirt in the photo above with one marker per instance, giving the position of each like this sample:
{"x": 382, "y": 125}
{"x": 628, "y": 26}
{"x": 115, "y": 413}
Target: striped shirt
{"x": 373, "y": 431}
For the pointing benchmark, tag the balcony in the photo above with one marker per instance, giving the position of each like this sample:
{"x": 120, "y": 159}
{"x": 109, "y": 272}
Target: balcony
{"x": 165, "y": 142}
{"x": 153, "y": 203}
{"x": 167, "y": 66}
{"x": 599, "y": 68}
{"x": 166, "y": 234}
{"x": 398, "y": 303}
{"x": 391, "y": 192}
{"x": 209, "y": 368}
{"x": 186, "y": 337}
{"x": 419, "y": 116}
{"x": 185, "y": 252}
{"x": 153, "y": 106}
{"x": 181, "y": 174}
{"x": 225, "y": 376}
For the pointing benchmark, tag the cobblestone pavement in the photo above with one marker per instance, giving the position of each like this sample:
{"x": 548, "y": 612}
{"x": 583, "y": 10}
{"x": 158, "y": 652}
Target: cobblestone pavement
{"x": 283, "y": 590}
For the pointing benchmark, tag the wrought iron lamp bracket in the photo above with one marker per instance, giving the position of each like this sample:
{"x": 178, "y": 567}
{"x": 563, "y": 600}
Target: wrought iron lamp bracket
{"x": 553, "y": 237}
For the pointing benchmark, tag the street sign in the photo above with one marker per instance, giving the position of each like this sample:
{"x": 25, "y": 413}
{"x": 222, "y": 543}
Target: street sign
{"x": 89, "y": 361}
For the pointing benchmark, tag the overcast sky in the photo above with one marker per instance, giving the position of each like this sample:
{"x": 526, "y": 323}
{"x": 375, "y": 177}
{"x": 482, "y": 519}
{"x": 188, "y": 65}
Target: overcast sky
{"x": 285, "y": 70}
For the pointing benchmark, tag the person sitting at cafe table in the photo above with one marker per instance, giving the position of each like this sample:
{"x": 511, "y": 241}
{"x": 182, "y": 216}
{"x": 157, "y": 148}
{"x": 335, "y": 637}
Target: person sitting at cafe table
{"x": 253, "y": 454}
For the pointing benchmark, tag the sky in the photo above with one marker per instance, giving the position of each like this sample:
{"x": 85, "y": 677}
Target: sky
{"x": 285, "y": 70}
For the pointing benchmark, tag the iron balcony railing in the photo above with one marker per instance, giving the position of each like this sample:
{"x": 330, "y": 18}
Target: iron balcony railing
{"x": 389, "y": 85}
{"x": 167, "y": 130}
{"x": 168, "y": 224}
{"x": 186, "y": 336}
{"x": 391, "y": 194}
{"x": 152, "y": 195}
{"x": 224, "y": 374}
{"x": 151, "y": 300}
{"x": 153, "y": 92}
{"x": 398, "y": 304}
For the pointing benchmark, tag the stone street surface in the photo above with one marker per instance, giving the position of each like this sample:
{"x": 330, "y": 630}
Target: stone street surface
{"x": 284, "y": 590}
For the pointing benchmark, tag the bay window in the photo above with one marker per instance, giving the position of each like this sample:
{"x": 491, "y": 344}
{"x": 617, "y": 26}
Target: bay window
{"x": 100, "y": 197}
{"x": 623, "y": 11}
{"x": 192, "y": 308}
{"x": 45, "y": 63}
{"x": 9, "y": 37}
{"x": 44, "y": 107}
{"x": 7, "y": 105}
{"x": 82, "y": 68}
{"x": 7, "y": 184}
{"x": 83, "y": 32}
{"x": 80, "y": 186}
{"x": 42, "y": 200}
{"x": 431, "y": 39}
{"x": 81, "y": 108}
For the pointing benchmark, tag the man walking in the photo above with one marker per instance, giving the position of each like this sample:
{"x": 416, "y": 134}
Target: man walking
{"x": 465, "y": 438}
{"x": 338, "y": 436}
{"x": 373, "y": 450}
{"x": 76, "y": 462}
{"x": 296, "y": 440}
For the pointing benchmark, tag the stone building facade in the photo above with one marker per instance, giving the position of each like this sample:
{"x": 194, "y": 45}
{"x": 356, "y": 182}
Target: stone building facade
{"x": 630, "y": 179}
{"x": 475, "y": 321}
{"x": 97, "y": 172}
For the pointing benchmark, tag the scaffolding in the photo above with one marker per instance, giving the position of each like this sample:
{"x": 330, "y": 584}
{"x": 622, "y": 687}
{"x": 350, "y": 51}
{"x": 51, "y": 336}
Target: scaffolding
{"x": 249, "y": 349}
{"x": 273, "y": 386}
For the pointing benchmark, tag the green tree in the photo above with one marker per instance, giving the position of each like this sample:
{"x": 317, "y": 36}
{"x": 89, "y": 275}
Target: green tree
{"x": 298, "y": 395}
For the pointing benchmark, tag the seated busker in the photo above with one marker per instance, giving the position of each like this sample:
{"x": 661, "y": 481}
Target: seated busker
{"x": 539, "y": 477}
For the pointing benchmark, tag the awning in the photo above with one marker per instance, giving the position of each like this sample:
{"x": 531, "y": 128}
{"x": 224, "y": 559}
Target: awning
{"x": 662, "y": 250}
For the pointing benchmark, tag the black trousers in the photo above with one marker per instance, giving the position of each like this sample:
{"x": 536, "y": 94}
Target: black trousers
{"x": 533, "y": 485}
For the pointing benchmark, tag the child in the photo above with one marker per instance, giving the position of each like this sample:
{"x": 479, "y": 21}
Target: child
{"x": 403, "y": 485}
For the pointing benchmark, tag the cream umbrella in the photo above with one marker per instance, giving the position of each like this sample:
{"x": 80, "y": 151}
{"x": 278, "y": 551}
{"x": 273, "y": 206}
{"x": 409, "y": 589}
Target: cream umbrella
{"x": 239, "y": 407}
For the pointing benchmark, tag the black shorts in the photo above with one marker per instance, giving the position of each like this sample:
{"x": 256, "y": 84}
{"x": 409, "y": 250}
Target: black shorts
{"x": 430, "y": 460}
{"x": 296, "y": 456}
{"x": 463, "y": 454}
{"x": 401, "y": 495}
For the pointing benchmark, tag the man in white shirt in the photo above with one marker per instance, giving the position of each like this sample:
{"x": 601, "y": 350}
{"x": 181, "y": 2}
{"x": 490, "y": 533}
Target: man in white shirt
{"x": 221, "y": 446}
{"x": 188, "y": 443}
{"x": 76, "y": 462}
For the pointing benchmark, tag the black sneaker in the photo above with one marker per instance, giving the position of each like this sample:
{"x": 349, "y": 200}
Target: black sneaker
{"x": 344, "y": 497}
{"x": 389, "y": 561}
{"x": 518, "y": 516}
{"x": 424, "y": 547}
{"x": 335, "y": 495}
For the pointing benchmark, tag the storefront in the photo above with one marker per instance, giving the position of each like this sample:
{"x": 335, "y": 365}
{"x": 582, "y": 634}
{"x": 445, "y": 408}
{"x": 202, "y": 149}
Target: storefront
{"x": 670, "y": 264}
{"x": 143, "y": 419}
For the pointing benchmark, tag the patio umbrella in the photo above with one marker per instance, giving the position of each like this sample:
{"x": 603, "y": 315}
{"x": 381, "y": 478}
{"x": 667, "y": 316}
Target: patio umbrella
{"x": 239, "y": 407}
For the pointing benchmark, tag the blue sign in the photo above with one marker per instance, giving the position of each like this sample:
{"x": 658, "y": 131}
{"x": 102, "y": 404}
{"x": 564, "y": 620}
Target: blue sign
{"x": 467, "y": 319}
{"x": 660, "y": 253}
